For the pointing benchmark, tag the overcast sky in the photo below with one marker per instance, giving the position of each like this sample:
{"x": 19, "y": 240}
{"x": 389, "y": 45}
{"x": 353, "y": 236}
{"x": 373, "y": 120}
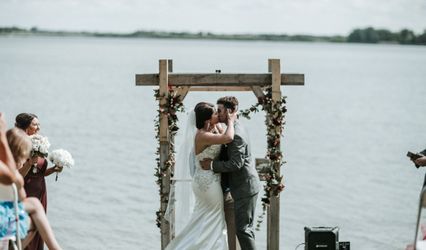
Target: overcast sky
{"x": 319, "y": 17}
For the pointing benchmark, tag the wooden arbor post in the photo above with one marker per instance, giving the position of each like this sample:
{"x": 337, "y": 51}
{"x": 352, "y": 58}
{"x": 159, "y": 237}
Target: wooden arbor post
{"x": 163, "y": 80}
{"x": 182, "y": 83}
{"x": 273, "y": 227}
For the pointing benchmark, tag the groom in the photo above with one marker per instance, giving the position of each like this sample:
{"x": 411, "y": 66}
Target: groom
{"x": 240, "y": 174}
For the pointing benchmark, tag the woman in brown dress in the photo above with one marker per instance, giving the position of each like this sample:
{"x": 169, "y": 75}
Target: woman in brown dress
{"x": 34, "y": 171}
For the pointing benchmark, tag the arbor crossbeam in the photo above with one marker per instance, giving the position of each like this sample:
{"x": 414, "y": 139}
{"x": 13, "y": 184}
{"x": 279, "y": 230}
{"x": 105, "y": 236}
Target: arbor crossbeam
{"x": 220, "y": 80}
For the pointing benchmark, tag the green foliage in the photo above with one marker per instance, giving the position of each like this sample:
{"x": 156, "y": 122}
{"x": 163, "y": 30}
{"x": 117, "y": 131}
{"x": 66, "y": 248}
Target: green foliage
{"x": 274, "y": 121}
{"x": 421, "y": 39}
{"x": 170, "y": 109}
{"x": 371, "y": 35}
{"x": 406, "y": 37}
{"x": 8, "y": 30}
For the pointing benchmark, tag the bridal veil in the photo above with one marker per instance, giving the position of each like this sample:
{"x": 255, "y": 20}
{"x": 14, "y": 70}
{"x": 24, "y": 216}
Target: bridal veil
{"x": 181, "y": 198}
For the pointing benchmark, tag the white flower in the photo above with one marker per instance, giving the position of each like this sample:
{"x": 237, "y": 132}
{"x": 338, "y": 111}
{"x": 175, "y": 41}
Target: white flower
{"x": 40, "y": 145}
{"x": 61, "y": 157}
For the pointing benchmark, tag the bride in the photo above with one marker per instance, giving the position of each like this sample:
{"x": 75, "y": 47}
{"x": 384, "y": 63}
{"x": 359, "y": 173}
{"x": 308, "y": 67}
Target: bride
{"x": 206, "y": 228}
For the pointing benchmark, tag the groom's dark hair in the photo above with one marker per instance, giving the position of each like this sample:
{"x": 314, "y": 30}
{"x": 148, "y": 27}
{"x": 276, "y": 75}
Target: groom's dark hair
{"x": 229, "y": 102}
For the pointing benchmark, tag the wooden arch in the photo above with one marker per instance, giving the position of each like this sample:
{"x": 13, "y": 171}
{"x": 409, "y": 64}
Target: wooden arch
{"x": 182, "y": 84}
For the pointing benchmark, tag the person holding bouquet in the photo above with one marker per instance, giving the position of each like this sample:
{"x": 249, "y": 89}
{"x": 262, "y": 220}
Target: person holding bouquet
{"x": 35, "y": 169}
{"x": 15, "y": 149}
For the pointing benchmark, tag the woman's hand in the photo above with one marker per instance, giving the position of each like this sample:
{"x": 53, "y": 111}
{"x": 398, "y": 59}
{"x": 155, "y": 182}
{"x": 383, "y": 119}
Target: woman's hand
{"x": 33, "y": 160}
{"x": 219, "y": 128}
{"x": 232, "y": 116}
{"x": 57, "y": 168}
{"x": 25, "y": 168}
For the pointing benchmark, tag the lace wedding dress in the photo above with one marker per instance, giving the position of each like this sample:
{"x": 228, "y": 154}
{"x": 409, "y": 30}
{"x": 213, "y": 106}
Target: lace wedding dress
{"x": 206, "y": 228}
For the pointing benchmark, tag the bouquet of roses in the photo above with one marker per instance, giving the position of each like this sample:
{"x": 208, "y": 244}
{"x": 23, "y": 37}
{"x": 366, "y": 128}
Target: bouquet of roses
{"x": 40, "y": 145}
{"x": 61, "y": 158}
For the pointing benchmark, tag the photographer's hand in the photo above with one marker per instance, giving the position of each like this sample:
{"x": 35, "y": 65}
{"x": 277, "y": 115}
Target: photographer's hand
{"x": 421, "y": 161}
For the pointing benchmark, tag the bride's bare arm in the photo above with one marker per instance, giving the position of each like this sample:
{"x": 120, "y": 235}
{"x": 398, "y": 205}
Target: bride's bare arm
{"x": 219, "y": 128}
{"x": 209, "y": 138}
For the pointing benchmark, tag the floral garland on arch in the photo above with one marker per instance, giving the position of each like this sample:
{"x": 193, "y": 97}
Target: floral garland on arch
{"x": 275, "y": 114}
{"x": 172, "y": 106}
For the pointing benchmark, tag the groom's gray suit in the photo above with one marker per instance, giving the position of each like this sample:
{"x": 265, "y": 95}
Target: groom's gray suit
{"x": 244, "y": 184}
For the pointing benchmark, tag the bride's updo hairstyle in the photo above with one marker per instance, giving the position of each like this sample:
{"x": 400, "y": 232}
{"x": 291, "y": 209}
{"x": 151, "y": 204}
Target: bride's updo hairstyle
{"x": 203, "y": 112}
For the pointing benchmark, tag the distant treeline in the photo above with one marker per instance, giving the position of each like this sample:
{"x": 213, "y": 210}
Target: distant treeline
{"x": 371, "y": 35}
{"x": 367, "y": 35}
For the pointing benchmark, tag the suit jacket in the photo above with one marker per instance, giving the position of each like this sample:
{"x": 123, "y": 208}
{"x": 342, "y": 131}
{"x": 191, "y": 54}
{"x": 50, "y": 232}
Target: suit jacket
{"x": 243, "y": 179}
{"x": 223, "y": 156}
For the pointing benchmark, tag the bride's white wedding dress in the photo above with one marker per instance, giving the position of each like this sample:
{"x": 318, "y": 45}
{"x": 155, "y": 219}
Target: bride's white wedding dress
{"x": 206, "y": 228}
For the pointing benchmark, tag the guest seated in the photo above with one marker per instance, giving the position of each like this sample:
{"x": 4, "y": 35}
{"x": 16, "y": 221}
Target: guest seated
{"x": 15, "y": 148}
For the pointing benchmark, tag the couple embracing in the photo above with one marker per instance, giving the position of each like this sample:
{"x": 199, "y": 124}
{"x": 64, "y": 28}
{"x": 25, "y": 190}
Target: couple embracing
{"x": 218, "y": 161}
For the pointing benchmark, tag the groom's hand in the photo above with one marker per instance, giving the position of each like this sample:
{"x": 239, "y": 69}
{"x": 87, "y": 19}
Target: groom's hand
{"x": 206, "y": 164}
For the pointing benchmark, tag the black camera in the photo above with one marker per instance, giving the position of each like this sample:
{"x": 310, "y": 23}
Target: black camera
{"x": 324, "y": 238}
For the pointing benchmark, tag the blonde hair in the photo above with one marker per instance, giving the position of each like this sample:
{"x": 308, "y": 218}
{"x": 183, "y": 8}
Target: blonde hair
{"x": 19, "y": 143}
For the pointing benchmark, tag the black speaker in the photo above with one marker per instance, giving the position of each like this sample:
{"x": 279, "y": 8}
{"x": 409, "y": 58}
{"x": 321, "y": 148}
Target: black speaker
{"x": 321, "y": 238}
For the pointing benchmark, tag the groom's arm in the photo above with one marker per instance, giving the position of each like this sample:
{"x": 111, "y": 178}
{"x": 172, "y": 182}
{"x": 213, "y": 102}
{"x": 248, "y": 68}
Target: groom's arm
{"x": 236, "y": 150}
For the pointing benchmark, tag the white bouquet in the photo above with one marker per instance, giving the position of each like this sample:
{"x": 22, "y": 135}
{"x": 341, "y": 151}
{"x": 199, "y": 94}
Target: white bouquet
{"x": 40, "y": 145}
{"x": 61, "y": 158}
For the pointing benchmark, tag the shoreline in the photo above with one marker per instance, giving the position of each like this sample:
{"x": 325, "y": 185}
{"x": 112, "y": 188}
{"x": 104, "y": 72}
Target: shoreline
{"x": 352, "y": 38}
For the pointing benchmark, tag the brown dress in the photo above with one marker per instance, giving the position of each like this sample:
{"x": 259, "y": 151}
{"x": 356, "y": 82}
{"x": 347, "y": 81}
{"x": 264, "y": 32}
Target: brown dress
{"x": 35, "y": 186}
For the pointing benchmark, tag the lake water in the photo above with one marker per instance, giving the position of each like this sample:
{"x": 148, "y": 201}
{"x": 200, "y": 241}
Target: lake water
{"x": 347, "y": 132}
